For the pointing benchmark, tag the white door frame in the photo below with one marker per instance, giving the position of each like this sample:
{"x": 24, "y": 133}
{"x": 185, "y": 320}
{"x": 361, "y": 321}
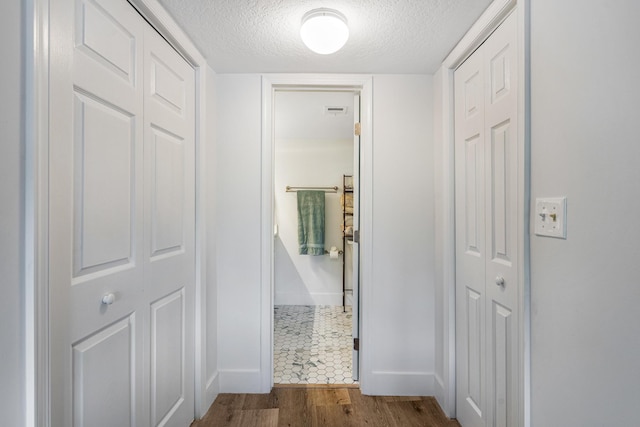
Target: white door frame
{"x": 477, "y": 34}
{"x": 36, "y": 233}
{"x": 270, "y": 83}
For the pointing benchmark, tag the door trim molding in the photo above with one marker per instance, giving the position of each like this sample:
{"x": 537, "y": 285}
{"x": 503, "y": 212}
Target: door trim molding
{"x": 270, "y": 83}
{"x": 36, "y": 204}
{"x": 493, "y": 16}
{"x": 36, "y": 212}
{"x": 490, "y": 19}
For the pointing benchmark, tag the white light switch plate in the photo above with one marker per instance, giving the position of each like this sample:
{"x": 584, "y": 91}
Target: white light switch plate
{"x": 551, "y": 217}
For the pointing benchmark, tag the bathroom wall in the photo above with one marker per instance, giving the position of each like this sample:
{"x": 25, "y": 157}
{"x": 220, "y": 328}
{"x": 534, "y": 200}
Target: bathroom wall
{"x": 311, "y": 149}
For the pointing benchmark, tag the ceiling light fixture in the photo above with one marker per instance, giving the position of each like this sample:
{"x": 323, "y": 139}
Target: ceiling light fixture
{"x": 324, "y": 31}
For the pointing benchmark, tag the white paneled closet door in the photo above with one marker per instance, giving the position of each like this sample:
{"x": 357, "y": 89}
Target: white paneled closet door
{"x": 470, "y": 241}
{"x": 169, "y": 221}
{"x": 121, "y": 177}
{"x": 486, "y": 172}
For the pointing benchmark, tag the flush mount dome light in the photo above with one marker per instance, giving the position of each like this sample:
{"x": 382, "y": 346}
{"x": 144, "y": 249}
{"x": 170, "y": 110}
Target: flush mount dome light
{"x": 324, "y": 31}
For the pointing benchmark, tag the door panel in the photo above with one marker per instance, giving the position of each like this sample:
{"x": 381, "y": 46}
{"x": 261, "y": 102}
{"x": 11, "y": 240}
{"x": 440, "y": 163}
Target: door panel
{"x": 500, "y": 64}
{"x": 470, "y": 241}
{"x": 105, "y": 214}
{"x": 100, "y": 35}
{"x": 167, "y": 87}
{"x": 95, "y": 214}
{"x": 169, "y": 185}
{"x": 501, "y": 197}
{"x": 502, "y": 299}
{"x": 486, "y": 173}
{"x": 473, "y": 196}
{"x": 103, "y": 383}
{"x": 471, "y": 78}
{"x": 474, "y": 382}
{"x": 502, "y": 333}
{"x": 167, "y": 357}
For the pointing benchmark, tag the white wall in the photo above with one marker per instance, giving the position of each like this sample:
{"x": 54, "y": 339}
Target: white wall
{"x": 11, "y": 217}
{"x": 402, "y": 340}
{"x": 304, "y": 279}
{"x": 585, "y": 291}
{"x": 211, "y": 314}
{"x": 403, "y": 240}
{"x": 238, "y": 187}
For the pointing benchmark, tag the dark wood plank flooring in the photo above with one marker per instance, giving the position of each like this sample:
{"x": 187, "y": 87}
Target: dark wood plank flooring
{"x": 300, "y": 407}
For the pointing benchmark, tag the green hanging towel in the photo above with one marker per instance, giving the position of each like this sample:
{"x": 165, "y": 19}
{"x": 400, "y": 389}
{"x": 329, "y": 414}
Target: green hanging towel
{"x": 311, "y": 222}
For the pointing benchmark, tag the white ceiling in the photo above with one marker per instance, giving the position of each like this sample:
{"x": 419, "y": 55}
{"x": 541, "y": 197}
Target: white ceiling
{"x": 386, "y": 36}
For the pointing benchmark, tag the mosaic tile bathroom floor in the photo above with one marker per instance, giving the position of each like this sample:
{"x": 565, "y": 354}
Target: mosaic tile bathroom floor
{"x": 312, "y": 345}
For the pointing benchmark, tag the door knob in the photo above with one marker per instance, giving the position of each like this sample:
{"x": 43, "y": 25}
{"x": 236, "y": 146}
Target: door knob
{"x": 500, "y": 281}
{"x": 108, "y": 299}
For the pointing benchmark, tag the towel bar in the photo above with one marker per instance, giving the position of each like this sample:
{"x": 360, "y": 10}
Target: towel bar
{"x": 333, "y": 189}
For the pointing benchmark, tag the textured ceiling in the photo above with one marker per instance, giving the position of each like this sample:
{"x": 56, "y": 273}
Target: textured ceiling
{"x": 386, "y": 36}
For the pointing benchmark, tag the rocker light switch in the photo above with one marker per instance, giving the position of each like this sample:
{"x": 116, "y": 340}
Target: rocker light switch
{"x": 550, "y": 217}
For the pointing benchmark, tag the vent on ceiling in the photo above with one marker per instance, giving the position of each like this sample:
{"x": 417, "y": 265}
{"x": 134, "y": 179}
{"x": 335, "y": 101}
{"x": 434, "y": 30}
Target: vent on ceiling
{"x": 335, "y": 110}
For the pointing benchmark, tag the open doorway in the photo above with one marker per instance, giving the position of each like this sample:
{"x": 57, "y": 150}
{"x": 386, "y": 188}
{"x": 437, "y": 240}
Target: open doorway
{"x": 315, "y": 298}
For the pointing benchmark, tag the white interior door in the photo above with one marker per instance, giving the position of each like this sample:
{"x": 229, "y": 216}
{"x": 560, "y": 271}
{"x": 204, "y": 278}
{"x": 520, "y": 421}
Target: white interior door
{"x": 112, "y": 306}
{"x": 355, "y": 318}
{"x": 169, "y": 220}
{"x": 501, "y": 178}
{"x": 470, "y": 240}
{"x": 486, "y": 232}
{"x": 96, "y": 215}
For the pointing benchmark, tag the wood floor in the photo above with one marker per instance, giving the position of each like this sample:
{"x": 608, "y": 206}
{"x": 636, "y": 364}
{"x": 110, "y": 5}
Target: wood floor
{"x": 340, "y": 407}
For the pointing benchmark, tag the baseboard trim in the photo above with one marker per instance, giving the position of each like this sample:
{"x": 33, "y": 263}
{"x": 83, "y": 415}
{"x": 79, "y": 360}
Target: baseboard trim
{"x": 239, "y": 381}
{"x": 382, "y": 383}
{"x": 211, "y": 391}
{"x": 439, "y": 394}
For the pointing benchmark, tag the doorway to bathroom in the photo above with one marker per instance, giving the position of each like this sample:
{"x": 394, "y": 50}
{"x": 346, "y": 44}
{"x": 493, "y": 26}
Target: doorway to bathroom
{"x": 316, "y": 152}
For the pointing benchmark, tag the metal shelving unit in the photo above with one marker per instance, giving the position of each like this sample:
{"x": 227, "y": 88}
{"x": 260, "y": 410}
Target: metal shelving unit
{"x": 347, "y": 185}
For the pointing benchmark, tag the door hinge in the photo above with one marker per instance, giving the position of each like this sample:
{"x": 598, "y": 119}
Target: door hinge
{"x": 356, "y": 130}
{"x": 356, "y": 236}
{"x": 356, "y": 344}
